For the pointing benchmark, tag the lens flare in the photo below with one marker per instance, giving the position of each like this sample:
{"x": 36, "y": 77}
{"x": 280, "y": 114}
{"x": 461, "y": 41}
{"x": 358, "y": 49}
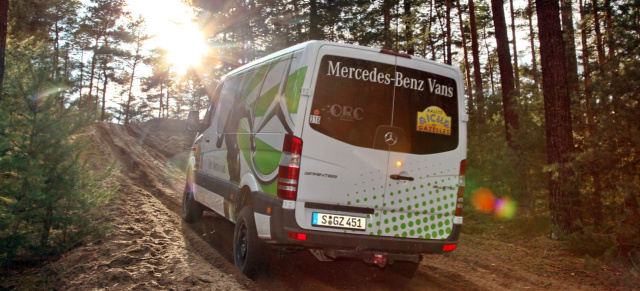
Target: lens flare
{"x": 483, "y": 200}
{"x": 505, "y": 208}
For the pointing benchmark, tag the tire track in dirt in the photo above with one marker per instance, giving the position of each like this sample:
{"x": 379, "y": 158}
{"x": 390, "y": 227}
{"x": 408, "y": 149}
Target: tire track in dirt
{"x": 145, "y": 168}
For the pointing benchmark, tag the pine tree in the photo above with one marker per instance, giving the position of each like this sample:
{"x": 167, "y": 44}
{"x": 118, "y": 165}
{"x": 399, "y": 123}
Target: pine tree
{"x": 564, "y": 202}
{"x": 506, "y": 72}
{"x": 46, "y": 190}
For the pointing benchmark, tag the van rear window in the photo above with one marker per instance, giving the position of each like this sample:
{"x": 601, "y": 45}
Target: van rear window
{"x": 358, "y": 101}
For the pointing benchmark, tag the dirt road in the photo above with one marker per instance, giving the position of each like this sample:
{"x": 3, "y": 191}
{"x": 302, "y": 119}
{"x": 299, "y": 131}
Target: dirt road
{"x": 150, "y": 247}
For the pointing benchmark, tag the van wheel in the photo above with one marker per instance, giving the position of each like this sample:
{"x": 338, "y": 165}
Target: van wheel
{"x": 248, "y": 249}
{"x": 405, "y": 269}
{"x": 191, "y": 209}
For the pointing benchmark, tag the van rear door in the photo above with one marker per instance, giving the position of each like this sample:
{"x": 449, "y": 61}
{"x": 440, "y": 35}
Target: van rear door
{"x": 424, "y": 165}
{"x": 366, "y": 151}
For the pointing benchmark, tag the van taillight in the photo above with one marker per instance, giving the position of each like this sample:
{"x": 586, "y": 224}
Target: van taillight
{"x": 460, "y": 198}
{"x": 448, "y": 248}
{"x": 289, "y": 169}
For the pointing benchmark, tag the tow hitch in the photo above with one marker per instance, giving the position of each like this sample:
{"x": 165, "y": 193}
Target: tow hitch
{"x": 380, "y": 259}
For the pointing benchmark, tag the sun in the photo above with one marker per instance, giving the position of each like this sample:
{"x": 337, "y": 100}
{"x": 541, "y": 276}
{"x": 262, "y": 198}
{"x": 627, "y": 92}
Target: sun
{"x": 185, "y": 47}
{"x": 171, "y": 24}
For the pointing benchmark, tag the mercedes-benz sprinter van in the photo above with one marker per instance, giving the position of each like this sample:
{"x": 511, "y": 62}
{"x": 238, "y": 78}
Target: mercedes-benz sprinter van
{"x": 343, "y": 150}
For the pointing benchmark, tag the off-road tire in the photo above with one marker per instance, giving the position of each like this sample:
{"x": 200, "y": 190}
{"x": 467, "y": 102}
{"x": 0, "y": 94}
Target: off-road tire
{"x": 191, "y": 209}
{"x": 248, "y": 249}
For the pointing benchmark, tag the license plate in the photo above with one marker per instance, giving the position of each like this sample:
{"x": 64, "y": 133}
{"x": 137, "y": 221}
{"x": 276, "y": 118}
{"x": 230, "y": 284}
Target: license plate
{"x": 339, "y": 221}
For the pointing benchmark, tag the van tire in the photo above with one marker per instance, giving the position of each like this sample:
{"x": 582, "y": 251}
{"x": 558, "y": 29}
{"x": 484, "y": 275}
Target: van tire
{"x": 248, "y": 249}
{"x": 191, "y": 209}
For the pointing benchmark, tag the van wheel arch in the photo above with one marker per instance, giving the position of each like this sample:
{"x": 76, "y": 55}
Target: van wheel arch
{"x": 243, "y": 199}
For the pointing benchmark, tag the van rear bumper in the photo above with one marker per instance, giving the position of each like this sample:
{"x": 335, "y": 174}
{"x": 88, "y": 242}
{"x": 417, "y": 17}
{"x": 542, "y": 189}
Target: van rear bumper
{"x": 283, "y": 221}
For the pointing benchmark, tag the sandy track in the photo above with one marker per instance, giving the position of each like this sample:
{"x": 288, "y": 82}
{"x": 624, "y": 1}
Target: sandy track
{"x": 150, "y": 247}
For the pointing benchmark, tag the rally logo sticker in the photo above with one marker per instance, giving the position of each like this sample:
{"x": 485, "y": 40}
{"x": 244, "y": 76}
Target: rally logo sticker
{"x": 434, "y": 120}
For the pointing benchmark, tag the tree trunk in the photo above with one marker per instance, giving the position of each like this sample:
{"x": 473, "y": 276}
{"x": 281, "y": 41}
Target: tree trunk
{"x": 611, "y": 43}
{"x": 127, "y": 109}
{"x": 475, "y": 51}
{"x": 104, "y": 94}
{"x": 569, "y": 45}
{"x": 586, "y": 65}
{"x": 467, "y": 72}
{"x": 315, "y": 33}
{"x": 432, "y": 42}
{"x": 448, "y": 20}
{"x": 516, "y": 69}
{"x": 596, "y": 199}
{"x": 564, "y": 202}
{"x": 599, "y": 46}
{"x": 408, "y": 31}
{"x": 46, "y": 226}
{"x": 161, "y": 109}
{"x": 386, "y": 31}
{"x": 489, "y": 62}
{"x": 4, "y": 15}
{"x": 532, "y": 38}
{"x": 506, "y": 71}
{"x": 91, "y": 75}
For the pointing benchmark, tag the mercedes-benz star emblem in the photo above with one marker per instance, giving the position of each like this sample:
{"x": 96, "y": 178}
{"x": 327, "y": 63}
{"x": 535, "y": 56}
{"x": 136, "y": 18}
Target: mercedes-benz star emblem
{"x": 390, "y": 138}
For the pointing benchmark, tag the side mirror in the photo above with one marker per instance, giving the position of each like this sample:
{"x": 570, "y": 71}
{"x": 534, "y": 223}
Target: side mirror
{"x": 193, "y": 121}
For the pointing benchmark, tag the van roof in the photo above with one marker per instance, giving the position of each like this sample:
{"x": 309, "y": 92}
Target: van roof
{"x": 319, "y": 43}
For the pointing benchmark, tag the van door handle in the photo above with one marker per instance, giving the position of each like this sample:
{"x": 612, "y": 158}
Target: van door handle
{"x": 398, "y": 177}
{"x": 207, "y": 140}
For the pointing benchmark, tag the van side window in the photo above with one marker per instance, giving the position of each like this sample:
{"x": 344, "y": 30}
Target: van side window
{"x": 211, "y": 110}
{"x": 274, "y": 85}
{"x": 239, "y": 106}
{"x": 227, "y": 96}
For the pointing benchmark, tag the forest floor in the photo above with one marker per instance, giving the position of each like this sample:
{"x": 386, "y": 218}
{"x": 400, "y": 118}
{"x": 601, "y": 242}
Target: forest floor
{"x": 148, "y": 246}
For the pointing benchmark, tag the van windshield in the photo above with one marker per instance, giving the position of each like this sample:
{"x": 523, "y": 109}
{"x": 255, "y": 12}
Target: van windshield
{"x": 358, "y": 101}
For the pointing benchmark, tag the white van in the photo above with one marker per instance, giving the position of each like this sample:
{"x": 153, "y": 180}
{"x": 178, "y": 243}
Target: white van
{"x": 344, "y": 150}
